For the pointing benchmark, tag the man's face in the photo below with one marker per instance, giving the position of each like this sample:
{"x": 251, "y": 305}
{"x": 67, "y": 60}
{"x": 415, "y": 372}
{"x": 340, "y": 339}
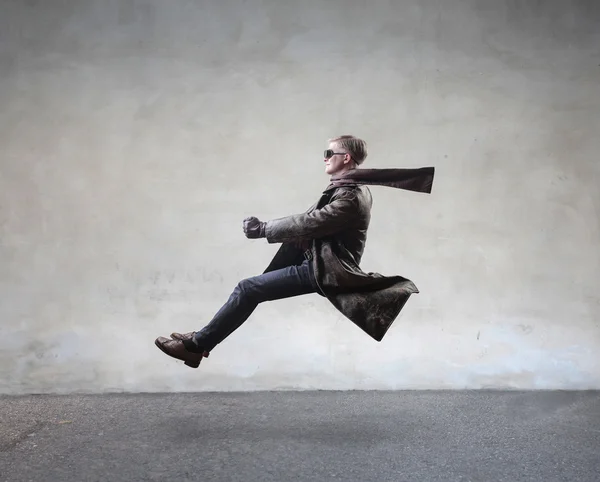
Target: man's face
{"x": 337, "y": 163}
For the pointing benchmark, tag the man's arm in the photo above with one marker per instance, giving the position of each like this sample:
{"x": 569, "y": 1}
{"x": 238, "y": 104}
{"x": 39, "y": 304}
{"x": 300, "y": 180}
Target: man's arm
{"x": 331, "y": 218}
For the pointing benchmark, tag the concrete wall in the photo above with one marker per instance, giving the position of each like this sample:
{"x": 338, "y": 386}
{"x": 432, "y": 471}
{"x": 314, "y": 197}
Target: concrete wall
{"x": 136, "y": 135}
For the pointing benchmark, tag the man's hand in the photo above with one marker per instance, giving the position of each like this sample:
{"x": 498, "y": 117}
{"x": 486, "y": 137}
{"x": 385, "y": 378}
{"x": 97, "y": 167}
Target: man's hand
{"x": 254, "y": 228}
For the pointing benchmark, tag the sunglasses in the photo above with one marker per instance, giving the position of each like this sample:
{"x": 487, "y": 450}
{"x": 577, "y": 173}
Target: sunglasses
{"x": 329, "y": 153}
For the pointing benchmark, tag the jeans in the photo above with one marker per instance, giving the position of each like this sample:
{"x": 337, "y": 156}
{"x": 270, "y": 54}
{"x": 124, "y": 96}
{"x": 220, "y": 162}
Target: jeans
{"x": 275, "y": 285}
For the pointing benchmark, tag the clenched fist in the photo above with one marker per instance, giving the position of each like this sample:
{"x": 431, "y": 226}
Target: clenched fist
{"x": 254, "y": 228}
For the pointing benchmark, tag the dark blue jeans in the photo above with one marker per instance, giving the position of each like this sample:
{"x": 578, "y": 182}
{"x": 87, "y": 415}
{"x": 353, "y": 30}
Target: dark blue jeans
{"x": 275, "y": 285}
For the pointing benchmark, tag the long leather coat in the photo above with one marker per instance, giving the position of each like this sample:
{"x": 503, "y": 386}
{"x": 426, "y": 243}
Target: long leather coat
{"x": 335, "y": 231}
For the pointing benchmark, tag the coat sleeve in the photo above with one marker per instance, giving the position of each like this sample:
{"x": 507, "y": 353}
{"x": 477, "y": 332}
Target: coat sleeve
{"x": 330, "y": 219}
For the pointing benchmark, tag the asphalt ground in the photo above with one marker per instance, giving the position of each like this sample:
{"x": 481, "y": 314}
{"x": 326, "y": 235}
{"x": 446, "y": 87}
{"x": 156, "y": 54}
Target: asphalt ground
{"x": 317, "y": 436}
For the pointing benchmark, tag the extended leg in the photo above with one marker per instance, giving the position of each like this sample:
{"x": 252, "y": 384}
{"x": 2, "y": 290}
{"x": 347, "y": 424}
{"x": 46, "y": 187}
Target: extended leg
{"x": 247, "y": 295}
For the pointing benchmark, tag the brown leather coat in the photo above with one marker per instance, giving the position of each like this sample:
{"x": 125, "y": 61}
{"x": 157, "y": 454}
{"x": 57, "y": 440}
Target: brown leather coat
{"x": 335, "y": 232}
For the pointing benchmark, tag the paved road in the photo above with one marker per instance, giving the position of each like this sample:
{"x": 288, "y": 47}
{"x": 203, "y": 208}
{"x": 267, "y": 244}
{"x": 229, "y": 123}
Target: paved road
{"x": 312, "y": 436}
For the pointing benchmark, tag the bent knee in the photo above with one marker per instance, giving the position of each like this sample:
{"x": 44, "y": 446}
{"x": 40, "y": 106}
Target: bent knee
{"x": 246, "y": 286}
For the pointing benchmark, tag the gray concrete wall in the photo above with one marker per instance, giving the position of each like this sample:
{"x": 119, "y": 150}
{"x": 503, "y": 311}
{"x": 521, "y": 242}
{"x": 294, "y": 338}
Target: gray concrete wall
{"x": 136, "y": 135}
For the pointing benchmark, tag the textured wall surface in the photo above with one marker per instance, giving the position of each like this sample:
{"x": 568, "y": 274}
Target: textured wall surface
{"x": 136, "y": 135}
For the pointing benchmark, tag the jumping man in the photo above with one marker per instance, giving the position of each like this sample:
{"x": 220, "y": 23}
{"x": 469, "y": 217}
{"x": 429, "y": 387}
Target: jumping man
{"x": 320, "y": 253}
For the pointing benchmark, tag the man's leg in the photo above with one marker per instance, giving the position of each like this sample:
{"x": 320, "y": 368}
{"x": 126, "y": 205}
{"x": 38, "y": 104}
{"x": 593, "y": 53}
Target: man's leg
{"x": 247, "y": 295}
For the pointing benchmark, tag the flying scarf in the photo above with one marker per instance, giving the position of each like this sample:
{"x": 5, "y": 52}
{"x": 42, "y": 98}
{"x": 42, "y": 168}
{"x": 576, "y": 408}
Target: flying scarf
{"x": 411, "y": 179}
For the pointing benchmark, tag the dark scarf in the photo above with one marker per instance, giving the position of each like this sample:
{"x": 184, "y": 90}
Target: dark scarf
{"x": 417, "y": 179}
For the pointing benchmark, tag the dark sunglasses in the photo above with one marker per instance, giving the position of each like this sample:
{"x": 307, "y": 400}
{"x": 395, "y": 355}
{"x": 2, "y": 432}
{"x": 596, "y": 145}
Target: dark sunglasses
{"x": 329, "y": 153}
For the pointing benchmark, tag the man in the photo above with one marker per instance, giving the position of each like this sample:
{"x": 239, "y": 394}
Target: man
{"x": 320, "y": 253}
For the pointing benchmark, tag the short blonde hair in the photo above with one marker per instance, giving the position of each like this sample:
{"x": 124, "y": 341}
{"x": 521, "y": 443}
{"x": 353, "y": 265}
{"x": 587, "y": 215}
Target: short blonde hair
{"x": 357, "y": 148}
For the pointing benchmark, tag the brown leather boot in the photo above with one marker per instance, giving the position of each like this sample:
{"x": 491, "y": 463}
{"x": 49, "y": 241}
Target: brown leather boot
{"x": 183, "y": 336}
{"x": 176, "y": 349}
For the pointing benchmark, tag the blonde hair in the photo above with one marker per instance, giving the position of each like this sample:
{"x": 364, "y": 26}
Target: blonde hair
{"x": 357, "y": 148}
